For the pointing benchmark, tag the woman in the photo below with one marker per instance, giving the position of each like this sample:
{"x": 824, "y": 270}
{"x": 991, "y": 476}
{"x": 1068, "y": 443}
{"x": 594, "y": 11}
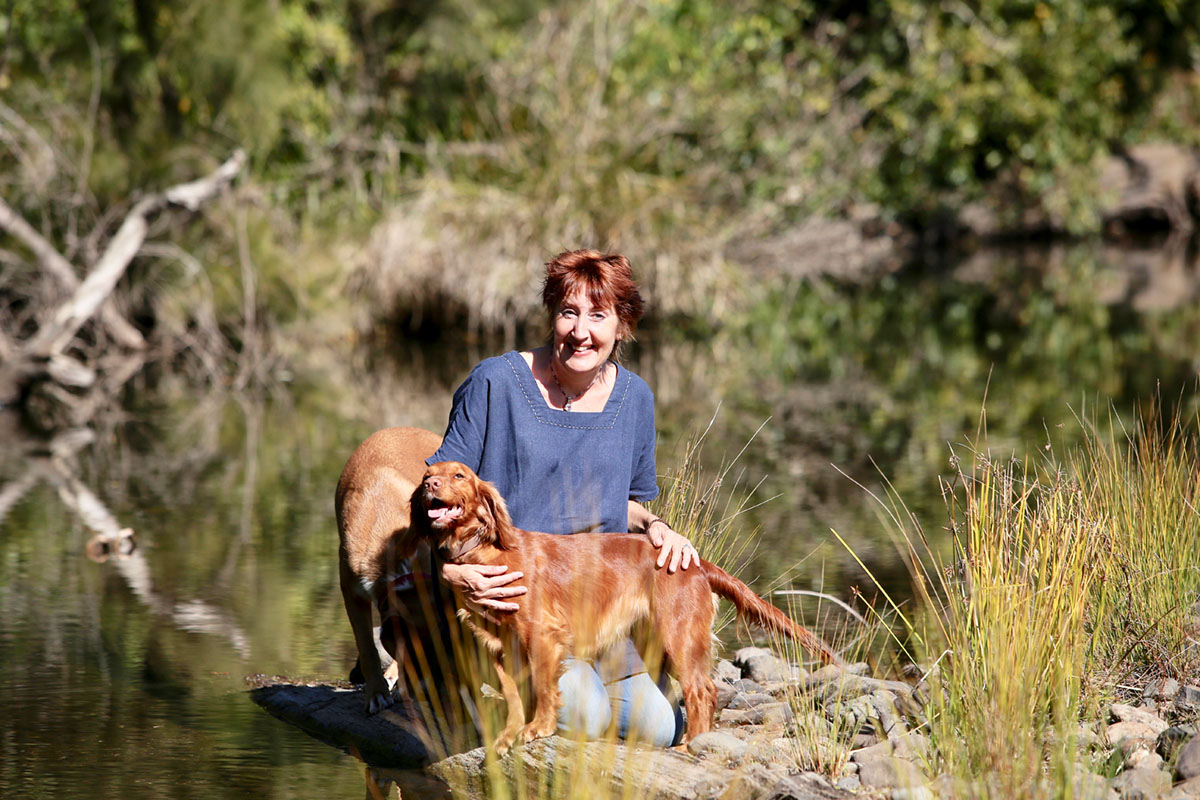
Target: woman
{"x": 567, "y": 436}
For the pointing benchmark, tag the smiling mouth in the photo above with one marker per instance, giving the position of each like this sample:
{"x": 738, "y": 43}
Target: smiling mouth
{"x": 440, "y": 513}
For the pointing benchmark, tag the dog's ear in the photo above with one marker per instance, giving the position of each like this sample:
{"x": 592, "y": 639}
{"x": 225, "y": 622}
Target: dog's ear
{"x": 495, "y": 514}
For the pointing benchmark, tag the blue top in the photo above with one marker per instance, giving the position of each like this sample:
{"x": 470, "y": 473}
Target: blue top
{"x": 558, "y": 471}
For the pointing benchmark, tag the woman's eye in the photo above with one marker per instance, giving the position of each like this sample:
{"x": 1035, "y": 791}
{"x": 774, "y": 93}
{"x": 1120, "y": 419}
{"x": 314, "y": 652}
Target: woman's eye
{"x": 599, "y": 316}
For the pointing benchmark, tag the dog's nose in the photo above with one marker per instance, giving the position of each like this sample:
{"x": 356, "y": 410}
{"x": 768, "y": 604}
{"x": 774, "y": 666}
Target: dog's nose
{"x": 433, "y": 483}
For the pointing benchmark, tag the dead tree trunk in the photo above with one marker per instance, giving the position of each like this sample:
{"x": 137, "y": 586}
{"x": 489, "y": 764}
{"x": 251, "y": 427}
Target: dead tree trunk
{"x": 44, "y": 355}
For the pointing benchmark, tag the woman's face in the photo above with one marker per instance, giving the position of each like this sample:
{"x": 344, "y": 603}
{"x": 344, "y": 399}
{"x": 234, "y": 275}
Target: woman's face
{"x": 584, "y": 335}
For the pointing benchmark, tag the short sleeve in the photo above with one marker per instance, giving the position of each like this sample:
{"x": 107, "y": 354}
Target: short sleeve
{"x": 465, "y": 432}
{"x": 643, "y": 486}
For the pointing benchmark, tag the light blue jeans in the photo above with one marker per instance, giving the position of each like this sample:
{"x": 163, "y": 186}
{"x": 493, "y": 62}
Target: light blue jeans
{"x": 640, "y": 706}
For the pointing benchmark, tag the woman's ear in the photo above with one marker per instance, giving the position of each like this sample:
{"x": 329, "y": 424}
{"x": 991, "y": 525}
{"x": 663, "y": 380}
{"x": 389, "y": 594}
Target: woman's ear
{"x": 493, "y": 507}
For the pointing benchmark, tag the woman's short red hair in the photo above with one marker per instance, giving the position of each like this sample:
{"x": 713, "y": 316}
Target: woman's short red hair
{"x": 606, "y": 277}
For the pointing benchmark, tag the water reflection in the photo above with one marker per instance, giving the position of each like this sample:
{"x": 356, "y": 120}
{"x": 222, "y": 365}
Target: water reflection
{"x": 126, "y": 677}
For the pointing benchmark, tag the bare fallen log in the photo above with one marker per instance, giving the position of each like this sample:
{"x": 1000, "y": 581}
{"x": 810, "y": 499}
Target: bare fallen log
{"x": 44, "y": 355}
{"x": 57, "y": 332}
{"x": 58, "y": 268}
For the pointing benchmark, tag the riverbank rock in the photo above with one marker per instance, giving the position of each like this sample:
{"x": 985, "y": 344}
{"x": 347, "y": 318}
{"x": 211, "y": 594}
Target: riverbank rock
{"x": 1187, "y": 763}
{"x": 852, "y": 727}
{"x": 762, "y": 666}
{"x": 1141, "y": 783}
{"x": 637, "y": 772}
{"x": 335, "y": 715}
{"x": 888, "y": 772}
{"x": 718, "y": 744}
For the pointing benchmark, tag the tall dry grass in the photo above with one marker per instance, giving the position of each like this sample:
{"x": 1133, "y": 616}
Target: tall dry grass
{"x": 1068, "y": 582}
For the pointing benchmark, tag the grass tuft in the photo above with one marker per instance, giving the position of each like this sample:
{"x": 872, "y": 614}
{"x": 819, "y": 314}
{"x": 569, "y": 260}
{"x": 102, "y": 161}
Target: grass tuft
{"x": 1067, "y": 581}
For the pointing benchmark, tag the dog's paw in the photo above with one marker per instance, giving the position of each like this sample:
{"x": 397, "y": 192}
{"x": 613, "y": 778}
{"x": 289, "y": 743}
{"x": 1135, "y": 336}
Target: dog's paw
{"x": 537, "y": 730}
{"x": 503, "y": 743}
{"x": 378, "y": 701}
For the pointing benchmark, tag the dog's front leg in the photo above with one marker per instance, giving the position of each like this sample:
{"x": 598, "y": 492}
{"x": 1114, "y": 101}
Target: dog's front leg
{"x": 358, "y": 608}
{"x": 512, "y": 696}
{"x": 545, "y": 658}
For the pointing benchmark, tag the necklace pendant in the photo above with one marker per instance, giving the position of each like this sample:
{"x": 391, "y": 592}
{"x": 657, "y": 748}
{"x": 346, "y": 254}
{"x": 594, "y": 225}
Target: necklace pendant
{"x": 567, "y": 405}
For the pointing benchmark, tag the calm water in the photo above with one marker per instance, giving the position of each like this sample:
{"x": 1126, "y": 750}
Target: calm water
{"x": 127, "y": 678}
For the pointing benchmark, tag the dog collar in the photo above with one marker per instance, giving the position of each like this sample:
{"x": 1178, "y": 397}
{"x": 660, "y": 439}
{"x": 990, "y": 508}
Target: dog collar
{"x": 453, "y": 554}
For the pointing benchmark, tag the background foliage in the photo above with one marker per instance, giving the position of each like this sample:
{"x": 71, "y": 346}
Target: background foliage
{"x": 673, "y": 128}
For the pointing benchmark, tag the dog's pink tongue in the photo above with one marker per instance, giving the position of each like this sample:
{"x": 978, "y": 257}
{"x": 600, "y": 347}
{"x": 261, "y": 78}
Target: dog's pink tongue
{"x": 444, "y": 512}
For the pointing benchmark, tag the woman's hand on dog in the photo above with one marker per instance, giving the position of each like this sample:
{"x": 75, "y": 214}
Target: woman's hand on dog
{"x": 485, "y": 585}
{"x": 674, "y": 549}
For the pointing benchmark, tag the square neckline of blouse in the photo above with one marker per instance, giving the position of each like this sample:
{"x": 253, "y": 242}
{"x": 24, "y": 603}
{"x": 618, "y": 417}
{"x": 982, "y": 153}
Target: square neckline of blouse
{"x": 612, "y": 404}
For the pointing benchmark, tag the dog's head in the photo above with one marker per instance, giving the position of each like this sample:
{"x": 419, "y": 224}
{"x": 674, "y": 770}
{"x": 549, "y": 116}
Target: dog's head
{"x": 459, "y": 511}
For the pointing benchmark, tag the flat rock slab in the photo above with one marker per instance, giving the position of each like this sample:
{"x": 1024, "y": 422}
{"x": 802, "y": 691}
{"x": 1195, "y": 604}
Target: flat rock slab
{"x": 335, "y": 715}
{"x": 547, "y": 767}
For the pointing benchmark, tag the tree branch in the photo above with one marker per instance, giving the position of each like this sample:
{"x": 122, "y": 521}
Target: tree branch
{"x": 61, "y": 270}
{"x": 58, "y": 332}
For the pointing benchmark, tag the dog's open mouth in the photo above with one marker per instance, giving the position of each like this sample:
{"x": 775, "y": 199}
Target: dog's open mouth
{"x": 440, "y": 513}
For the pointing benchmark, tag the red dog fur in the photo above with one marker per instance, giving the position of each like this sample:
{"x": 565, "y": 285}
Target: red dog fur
{"x": 584, "y": 593}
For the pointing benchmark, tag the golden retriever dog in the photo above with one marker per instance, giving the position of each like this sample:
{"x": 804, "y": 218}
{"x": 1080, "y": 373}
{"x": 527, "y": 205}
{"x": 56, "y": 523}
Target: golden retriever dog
{"x": 585, "y": 592}
{"x": 373, "y": 527}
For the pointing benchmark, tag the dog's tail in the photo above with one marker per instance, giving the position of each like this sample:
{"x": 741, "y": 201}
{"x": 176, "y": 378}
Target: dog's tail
{"x": 759, "y": 611}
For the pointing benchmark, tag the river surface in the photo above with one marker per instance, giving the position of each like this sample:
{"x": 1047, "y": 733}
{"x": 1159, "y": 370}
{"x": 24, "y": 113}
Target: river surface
{"x": 127, "y": 678}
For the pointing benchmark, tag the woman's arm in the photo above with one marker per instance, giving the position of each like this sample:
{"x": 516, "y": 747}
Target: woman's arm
{"x": 674, "y": 549}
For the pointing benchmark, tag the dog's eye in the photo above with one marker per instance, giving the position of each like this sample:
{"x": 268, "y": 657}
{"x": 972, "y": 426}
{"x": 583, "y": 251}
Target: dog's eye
{"x": 460, "y": 476}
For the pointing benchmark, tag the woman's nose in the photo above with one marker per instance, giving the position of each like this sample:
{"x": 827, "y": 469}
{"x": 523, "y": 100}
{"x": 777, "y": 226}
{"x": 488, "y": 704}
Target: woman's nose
{"x": 580, "y": 329}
